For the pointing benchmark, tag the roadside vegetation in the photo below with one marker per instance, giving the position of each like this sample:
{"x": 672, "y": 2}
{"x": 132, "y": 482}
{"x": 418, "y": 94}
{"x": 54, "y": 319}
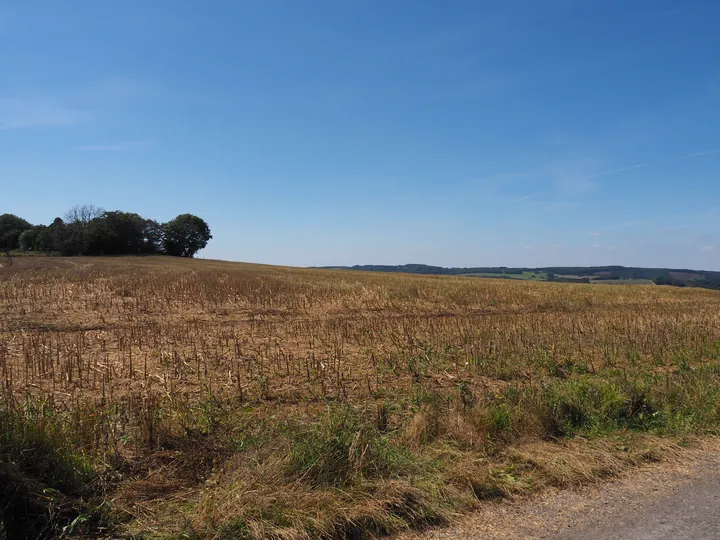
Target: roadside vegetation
{"x": 167, "y": 398}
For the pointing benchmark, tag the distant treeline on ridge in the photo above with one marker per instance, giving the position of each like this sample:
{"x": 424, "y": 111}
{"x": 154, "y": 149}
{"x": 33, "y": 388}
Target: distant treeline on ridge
{"x": 572, "y": 274}
{"x": 88, "y": 230}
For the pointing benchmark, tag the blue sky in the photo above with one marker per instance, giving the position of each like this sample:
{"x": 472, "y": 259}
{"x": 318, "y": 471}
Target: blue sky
{"x": 318, "y": 132}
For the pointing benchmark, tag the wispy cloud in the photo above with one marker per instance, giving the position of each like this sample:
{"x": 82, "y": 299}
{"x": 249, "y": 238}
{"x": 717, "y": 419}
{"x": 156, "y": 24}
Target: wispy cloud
{"x": 593, "y": 234}
{"x": 576, "y": 178}
{"x": 71, "y": 105}
{"x": 619, "y": 170}
{"x": 117, "y": 146}
{"x": 26, "y": 113}
{"x": 707, "y": 249}
{"x": 660, "y": 162}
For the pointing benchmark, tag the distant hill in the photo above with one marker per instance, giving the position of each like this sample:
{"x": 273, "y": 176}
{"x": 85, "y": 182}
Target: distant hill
{"x": 572, "y": 274}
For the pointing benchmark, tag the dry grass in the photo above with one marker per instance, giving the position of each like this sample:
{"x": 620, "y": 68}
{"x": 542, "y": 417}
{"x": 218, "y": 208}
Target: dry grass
{"x": 224, "y": 400}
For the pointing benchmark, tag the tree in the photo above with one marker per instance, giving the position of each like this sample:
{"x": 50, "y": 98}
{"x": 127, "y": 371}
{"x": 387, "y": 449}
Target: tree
{"x": 89, "y": 230}
{"x": 56, "y": 236}
{"x": 83, "y": 214}
{"x": 43, "y": 239}
{"x": 115, "y": 233}
{"x": 11, "y": 239}
{"x": 28, "y": 238}
{"x": 186, "y": 235}
{"x": 11, "y": 227}
{"x": 153, "y": 237}
{"x": 75, "y": 235}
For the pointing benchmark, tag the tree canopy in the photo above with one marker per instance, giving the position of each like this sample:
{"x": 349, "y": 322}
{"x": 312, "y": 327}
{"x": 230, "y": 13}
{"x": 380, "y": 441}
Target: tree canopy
{"x": 88, "y": 230}
{"x": 11, "y": 227}
{"x": 186, "y": 235}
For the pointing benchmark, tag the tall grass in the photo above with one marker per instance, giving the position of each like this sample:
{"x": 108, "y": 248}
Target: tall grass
{"x": 43, "y": 473}
{"x": 344, "y": 446}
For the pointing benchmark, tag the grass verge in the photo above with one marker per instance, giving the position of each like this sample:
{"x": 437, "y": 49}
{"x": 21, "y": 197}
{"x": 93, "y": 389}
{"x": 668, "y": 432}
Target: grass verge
{"x": 44, "y": 480}
{"x": 221, "y": 470}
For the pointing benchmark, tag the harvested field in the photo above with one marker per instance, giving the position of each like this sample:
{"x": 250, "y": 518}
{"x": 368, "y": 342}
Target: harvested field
{"x": 169, "y": 398}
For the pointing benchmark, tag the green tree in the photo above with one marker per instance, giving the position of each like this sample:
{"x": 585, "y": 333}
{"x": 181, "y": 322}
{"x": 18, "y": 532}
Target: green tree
{"x": 75, "y": 235}
{"x": 186, "y": 235}
{"x": 11, "y": 227}
{"x": 54, "y": 239}
{"x": 28, "y": 238}
{"x": 153, "y": 237}
{"x": 115, "y": 233}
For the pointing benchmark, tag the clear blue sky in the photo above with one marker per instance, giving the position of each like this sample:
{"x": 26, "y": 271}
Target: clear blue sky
{"x": 311, "y": 132}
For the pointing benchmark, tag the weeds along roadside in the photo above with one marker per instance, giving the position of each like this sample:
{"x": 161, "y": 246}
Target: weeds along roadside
{"x": 218, "y": 468}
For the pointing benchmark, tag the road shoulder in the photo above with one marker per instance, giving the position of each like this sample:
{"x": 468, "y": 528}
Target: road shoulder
{"x": 676, "y": 498}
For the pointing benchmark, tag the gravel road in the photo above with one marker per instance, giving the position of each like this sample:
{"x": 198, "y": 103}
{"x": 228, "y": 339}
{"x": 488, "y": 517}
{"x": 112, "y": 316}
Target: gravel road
{"x": 691, "y": 511}
{"x": 676, "y": 500}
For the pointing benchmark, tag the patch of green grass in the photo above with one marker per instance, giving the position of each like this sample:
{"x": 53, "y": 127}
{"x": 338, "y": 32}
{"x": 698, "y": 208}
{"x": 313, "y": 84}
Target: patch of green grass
{"x": 43, "y": 475}
{"x": 344, "y": 446}
{"x": 587, "y": 405}
{"x": 43, "y": 444}
{"x": 679, "y": 402}
{"x": 235, "y": 529}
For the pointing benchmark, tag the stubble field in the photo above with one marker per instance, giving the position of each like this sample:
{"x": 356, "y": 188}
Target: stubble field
{"x": 165, "y": 398}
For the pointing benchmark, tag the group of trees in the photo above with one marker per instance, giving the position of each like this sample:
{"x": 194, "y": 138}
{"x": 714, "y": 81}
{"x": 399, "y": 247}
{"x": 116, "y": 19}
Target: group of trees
{"x": 87, "y": 230}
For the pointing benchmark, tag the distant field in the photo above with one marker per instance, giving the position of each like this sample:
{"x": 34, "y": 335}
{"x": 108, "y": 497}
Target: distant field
{"x": 538, "y": 276}
{"x": 173, "y": 398}
{"x": 706, "y": 279}
{"x": 543, "y": 276}
{"x": 624, "y": 281}
{"x": 686, "y": 275}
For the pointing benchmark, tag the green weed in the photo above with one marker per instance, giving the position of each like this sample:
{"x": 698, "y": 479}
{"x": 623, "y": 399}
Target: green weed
{"x": 344, "y": 446}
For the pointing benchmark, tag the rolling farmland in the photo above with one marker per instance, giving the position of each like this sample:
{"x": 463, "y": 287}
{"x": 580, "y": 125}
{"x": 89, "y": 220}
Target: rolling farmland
{"x": 169, "y": 398}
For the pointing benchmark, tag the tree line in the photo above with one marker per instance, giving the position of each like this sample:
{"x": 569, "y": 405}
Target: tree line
{"x": 88, "y": 230}
{"x": 706, "y": 279}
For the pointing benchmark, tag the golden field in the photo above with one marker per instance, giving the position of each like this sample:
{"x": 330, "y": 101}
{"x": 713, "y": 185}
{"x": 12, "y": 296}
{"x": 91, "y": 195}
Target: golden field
{"x": 207, "y": 399}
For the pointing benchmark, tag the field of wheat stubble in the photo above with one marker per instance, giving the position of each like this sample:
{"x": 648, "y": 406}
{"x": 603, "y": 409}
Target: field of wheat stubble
{"x": 162, "y": 398}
